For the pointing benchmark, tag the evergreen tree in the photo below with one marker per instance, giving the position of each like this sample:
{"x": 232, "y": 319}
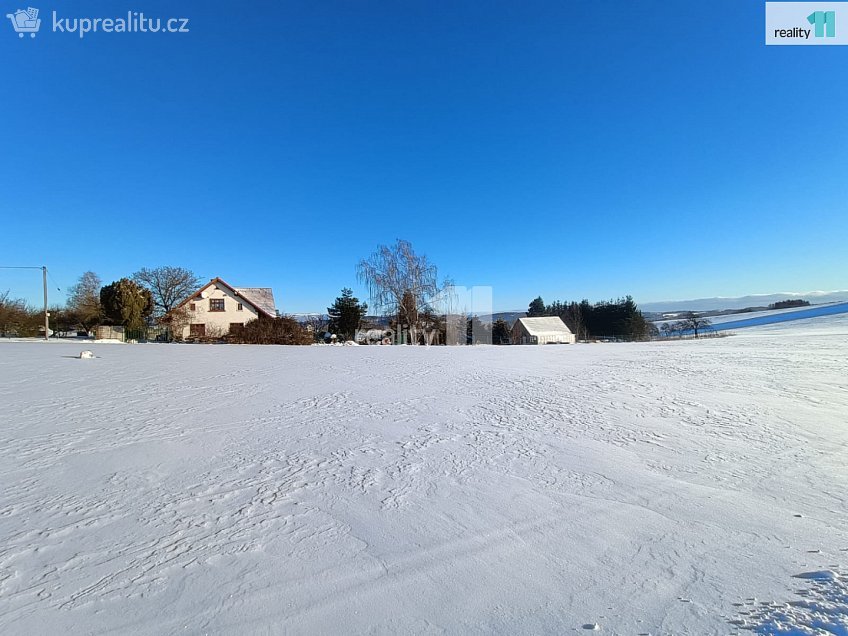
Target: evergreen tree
{"x": 537, "y": 308}
{"x": 611, "y": 319}
{"x": 345, "y": 314}
{"x": 500, "y": 332}
{"x": 126, "y": 303}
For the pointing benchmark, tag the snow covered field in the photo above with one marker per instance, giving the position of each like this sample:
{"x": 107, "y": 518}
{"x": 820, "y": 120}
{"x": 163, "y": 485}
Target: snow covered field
{"x": 655, "y": 488}
{"x": 769, "y": 317}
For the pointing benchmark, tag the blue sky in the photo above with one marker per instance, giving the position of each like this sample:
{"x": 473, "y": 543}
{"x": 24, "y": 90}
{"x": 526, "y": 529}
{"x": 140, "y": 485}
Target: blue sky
{"x": 568, "y": 149}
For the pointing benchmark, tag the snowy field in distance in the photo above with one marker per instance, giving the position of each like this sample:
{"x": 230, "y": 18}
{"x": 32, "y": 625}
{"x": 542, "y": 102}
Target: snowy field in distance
{"x": 656, "y": 488}
{"x": 771, "y": 316}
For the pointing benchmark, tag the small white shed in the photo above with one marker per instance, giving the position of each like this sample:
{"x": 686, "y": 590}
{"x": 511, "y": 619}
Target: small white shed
{"x": 543, "y": 330}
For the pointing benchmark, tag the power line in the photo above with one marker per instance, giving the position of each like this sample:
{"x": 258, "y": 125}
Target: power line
{"x": 49, "y": 275}
{"x": 43, "y": 269}
{"x": 58, "y": 289}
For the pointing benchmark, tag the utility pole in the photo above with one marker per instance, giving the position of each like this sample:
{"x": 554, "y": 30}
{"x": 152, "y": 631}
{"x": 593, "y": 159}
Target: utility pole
{"x": 43, "y": 269}
{"x": 46, "y": 313}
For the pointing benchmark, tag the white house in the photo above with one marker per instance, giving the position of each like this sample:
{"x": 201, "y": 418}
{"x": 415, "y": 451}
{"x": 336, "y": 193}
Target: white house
{"x": 543, "y": 330}
{"x": 218, "y": 308}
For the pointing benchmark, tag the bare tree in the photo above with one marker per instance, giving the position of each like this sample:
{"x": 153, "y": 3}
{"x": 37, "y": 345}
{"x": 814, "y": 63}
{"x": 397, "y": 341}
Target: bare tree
{"x": 574, "y": 318}
{"x": 694, "y": 323}
{"x": 317, "y": 325}
{"x": 177, "y": 321}
{"x": 19, "y": 319}
{"x": 168, "y": 285}
{"x": 214, "y": 332}
{"x": 12, "y": 313}
{"x": 400, "y": 282}
{"x": 84, "y": 301}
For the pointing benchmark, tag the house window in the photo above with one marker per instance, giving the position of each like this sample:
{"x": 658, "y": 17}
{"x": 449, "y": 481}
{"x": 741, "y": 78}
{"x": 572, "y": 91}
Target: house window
{"x": 197, "y": 330}
{"x": 239, "y": 307}
{"x": 235, "y": 327}
{"x": 216, "y": 304}
{"x": 191, "y": 307}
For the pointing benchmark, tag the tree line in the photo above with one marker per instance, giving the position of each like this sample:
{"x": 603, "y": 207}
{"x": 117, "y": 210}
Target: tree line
{"x": 153, "y": 297}
{"x": 133, "y": 302}
{"x": 616, "y": 319}
{"x": 789, "y": 304}
{"x": 403, "y": 285}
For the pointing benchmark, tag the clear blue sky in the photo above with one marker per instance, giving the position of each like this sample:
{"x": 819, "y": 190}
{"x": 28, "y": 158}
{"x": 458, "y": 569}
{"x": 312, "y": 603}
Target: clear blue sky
{"x": 568, "y": 149}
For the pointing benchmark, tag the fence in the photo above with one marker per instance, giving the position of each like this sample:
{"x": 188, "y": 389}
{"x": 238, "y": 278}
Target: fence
{"x": 145, "y": 334}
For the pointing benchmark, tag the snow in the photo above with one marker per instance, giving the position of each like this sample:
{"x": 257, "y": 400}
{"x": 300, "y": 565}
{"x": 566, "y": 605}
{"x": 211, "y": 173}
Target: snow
{"x": 822, "y": 610}
{"x": 656, "y": 488}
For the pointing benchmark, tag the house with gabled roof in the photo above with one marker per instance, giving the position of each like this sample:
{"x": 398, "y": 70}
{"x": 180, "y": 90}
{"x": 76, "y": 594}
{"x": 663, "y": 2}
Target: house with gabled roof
{"x": 218, "y": 309}
{"x": 541, "y": 330}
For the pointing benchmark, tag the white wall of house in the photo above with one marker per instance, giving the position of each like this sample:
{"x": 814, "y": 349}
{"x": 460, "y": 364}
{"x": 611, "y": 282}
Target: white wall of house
{"x": 557, "y": 339}
{"x": 203, "y": 311}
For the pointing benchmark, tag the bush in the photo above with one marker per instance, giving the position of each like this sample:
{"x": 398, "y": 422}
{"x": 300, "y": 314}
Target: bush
{"x": 280, "y": 331}
{"x": 19, "y": 319}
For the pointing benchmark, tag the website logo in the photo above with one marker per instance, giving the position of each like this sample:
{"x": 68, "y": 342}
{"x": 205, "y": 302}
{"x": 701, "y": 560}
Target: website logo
{"x": 825, "y": 22}
{"x": 25, "y": 21}
{"x": 805, "y": 23}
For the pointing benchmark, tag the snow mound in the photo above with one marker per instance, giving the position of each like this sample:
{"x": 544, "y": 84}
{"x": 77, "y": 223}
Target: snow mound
{"x": 86, "y": 355}
{"x": 819, "y": 575}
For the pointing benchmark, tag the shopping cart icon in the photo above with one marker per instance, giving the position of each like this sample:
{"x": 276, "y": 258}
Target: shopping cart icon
{"x": 25, "y": 21}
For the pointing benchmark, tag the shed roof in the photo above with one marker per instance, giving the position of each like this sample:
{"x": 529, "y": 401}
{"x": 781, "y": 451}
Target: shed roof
{"x": 545, "y": 326}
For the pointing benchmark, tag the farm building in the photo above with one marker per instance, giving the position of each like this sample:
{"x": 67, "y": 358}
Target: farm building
{"x": 217, "y": 309}
{"x": 544, "y": 330}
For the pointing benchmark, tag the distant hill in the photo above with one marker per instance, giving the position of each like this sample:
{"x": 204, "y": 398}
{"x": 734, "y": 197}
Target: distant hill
{"x": 509, "y": 316}
{"x": 732, "y": 322}
{"x": 756, "y": 300}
